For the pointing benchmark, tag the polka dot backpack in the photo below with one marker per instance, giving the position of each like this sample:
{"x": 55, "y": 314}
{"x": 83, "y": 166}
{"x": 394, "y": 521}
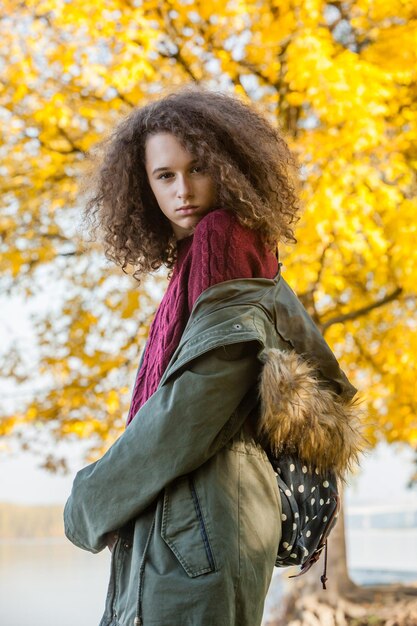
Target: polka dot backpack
{"x": 310, "y": 505}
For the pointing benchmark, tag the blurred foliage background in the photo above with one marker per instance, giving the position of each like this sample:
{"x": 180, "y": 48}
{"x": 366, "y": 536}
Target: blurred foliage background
{"x": 340, "y": 80}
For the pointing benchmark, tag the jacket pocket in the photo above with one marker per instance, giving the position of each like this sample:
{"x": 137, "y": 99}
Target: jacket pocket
{"x": 184, "y": 528}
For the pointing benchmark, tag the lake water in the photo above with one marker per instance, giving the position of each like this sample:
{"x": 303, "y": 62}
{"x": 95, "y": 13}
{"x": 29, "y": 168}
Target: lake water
{"x": 52, "y": 583}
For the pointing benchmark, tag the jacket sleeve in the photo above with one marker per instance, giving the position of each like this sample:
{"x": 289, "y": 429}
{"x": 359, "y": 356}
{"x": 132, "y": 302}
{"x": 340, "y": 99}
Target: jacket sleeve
{"x": 184, "y": 423}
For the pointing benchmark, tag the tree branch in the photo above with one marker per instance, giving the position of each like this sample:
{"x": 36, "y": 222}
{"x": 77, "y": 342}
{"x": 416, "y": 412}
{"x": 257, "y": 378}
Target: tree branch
{"x": 363, "y": 311}
{"x": 367, "y": 356}
{"x": 175, "y": 37}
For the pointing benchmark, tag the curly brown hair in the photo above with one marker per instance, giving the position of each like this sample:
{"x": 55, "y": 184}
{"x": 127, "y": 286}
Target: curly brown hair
{"x": 254, "y": 171}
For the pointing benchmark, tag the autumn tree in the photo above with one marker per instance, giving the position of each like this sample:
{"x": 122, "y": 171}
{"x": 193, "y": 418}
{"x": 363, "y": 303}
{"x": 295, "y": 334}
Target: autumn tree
{"x": 339, "y": 78}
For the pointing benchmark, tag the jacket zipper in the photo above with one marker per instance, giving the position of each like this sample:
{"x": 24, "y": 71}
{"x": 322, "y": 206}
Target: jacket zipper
{"x": 202, "y": 526}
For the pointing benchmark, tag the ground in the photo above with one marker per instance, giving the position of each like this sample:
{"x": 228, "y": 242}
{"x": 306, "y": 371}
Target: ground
{"x": 362, "y": 606}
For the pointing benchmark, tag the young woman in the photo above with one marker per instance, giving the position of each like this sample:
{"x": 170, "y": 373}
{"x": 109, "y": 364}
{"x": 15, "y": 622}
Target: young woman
{"x": 186, "y": 498}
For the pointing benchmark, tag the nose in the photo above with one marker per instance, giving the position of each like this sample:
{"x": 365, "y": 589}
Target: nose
{"x": 184, "y": 187}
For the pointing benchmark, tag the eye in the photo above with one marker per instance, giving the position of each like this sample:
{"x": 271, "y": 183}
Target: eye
{"x": 165, "y": 175}
{"x": 198, "y": 169}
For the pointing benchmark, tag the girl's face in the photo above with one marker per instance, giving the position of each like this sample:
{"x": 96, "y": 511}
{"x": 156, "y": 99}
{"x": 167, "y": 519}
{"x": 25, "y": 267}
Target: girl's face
{"x": 183, "y": 189}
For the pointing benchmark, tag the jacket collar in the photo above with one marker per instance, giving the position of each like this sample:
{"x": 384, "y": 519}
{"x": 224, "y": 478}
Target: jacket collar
{"x": 268, "y": 306}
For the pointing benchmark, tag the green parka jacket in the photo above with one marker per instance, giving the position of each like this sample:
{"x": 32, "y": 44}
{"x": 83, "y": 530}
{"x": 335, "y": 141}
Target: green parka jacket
{"x": 188, "y": 485}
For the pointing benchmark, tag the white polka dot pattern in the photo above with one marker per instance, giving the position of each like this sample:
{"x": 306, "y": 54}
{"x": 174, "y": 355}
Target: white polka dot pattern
{"x": 307, "y": 505}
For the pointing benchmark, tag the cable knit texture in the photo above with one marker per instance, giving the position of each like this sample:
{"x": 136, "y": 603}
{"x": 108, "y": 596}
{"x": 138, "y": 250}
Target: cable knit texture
{"x": 220, "y": 249}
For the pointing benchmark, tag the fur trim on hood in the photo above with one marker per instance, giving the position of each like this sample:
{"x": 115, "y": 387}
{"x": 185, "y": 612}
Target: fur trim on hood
{"x": 301, "y": 415}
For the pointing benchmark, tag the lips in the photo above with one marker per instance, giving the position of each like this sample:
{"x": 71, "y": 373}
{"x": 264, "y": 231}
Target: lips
{"x": 187, "y": 209}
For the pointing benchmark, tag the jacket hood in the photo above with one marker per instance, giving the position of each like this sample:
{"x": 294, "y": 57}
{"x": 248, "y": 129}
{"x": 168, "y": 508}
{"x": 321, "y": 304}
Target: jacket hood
{"x": 307, "y": 402}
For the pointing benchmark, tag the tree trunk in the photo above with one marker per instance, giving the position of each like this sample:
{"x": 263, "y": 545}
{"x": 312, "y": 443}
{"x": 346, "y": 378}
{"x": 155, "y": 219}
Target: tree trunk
{"x": 309, "y": 585}
{"x": 337, "y": 571}
{"x": 343, "y": 603}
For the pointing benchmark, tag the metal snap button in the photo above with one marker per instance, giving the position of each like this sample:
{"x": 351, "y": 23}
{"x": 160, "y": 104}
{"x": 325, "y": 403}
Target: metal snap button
{"x": 237, "y": 326}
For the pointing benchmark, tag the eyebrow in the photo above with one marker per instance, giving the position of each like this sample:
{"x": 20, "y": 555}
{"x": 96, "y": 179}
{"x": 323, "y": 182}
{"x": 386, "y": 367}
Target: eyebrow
{"x": 165, "y": 168}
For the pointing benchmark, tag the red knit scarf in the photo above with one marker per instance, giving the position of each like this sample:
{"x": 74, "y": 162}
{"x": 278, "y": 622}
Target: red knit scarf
{"x": 220, "y": 249}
